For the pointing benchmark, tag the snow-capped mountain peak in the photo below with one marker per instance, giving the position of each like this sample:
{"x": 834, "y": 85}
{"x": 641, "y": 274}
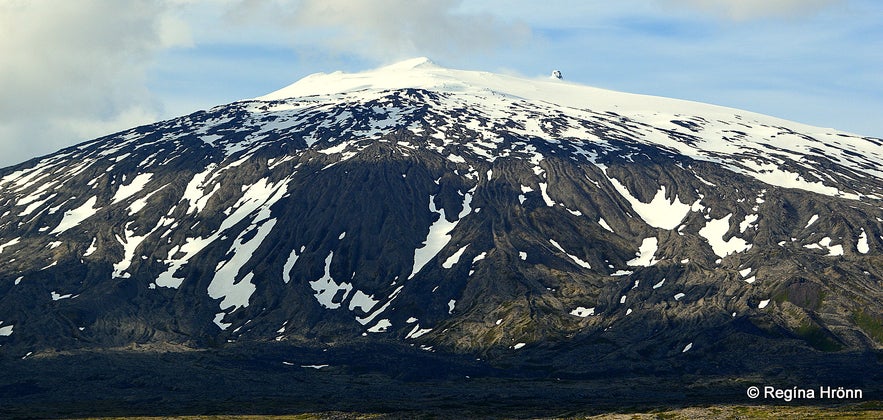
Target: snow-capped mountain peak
{"x": 770, "y": 149}
{"x": 412, "y": 63}
{"x": 423, "y": 73}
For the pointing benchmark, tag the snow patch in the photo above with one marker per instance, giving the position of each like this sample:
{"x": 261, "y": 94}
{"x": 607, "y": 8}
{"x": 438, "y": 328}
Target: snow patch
{"x": 335, "y": 149}
{"x": 455, "y": 258}
{"x": 73, "y": 217}
{"x": 583, "y": 312}
{"x": 9, "y": 243}
{"x": 326, "y": 288}
{"x": 139, "y": 204}
{"x": 317, "y": 367}
{"x": 604, "y": 224}
{"x": 129, "y": 242}
{"x": 195, "y": 193}
{"x": 362, "y": 301}
{"x": 381, "y": 326}
{"x": 220, "y": 317}
{"x": 126, "y": 191}
{"x": 228, "y": 283}
{"x": 439, "y": 234}
{"x": 289, "y": 265}
{"x": 645, "y": 256}
{"x": 35, "y": 205}
{"x": 58, "y": 296}
{"x": 575, "y": 259}
{"x": 258, "y": 197}
{"x": 750, "y": 221}
{"x": 825, "y": 243}
{"x": 770, "y": 173}
{"x": 714, "y": 231}
{"x": 659, "y": 212}
{"x": 546, "y": 198}
{"x": 416, "y": 332}
{"x": 862, "y": 245}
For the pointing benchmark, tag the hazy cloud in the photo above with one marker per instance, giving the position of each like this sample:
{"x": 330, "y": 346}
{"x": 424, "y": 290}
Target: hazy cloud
{"x": 387, "y": 29}
{"x": 741, "y": 10}
{"x": 73, "y": 70}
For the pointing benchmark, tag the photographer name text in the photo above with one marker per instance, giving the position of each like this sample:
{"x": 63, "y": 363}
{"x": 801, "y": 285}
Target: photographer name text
{"x": 797, "y": 393}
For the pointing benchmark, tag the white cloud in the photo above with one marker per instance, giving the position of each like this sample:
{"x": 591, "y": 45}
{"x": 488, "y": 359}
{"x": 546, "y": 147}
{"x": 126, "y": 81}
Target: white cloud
{"x": 77, "y": 64}
{"x": 75, "y": 70}
{"x": 87, "y": 128}
{"x": 386, "y": 29}
{"x": 741, "y": 10}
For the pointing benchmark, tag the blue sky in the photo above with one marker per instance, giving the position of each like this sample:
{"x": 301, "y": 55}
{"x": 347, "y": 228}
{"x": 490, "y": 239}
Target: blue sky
{"x": 78, "y": 69}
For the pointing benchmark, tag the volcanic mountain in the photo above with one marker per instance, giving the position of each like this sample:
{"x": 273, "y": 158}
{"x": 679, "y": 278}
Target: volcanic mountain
{"x": 522, "y": 221}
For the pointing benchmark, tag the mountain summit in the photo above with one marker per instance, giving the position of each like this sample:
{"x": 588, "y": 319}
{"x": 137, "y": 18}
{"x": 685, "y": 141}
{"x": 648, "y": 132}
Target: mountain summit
{"x": 526, "y": 222}
{"x": 669, "y": 118}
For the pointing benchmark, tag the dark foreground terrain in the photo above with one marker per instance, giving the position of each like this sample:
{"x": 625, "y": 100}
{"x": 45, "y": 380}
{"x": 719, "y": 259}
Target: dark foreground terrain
{"x": 280, "y": 379}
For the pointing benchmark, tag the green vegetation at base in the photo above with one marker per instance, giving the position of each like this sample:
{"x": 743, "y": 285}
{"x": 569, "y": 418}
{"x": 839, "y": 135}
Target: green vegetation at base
{"x": 872, "y": 325}
{"x": 817, "y": 337}
{"x": 865, "y": 410}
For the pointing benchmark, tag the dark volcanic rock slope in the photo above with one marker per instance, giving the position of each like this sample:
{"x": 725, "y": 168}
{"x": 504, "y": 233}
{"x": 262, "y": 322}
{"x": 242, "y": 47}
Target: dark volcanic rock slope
{"x": 457, "y": 211}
